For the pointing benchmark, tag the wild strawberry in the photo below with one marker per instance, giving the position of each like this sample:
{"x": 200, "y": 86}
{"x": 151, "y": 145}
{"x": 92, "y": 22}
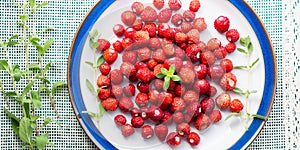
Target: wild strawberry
{"x": 165, "y": 99}
{"x": 126, "y": 68}
{"x": 110, "y": 56}
{"x": 154, "y": 43}
{"x": 193, "y": 109}
{"x": 150, "y": 28}
{"x": 134, "y": 112}
{"x": 151, "y": 64}
{"x": 120, "y": 120}
{"x": 144, "y": 74}
{"x": 174, "y": 4}
{"x": 103, "y": 44}
{"x": 201, "y": 71}
{"x": 189, "y": 16}
{"x": 149, "y": 14}
{"x": 183, "y": 129}
{"x": 128, "y": 17}
{"x": 213, "y": 44}
{"x": 201, "y": 86}
{"x": 230, "y": 47}
{"x": 137, "y": 7}
{"x": 140, "y": 36}
{"x": 202, "y": 122}
{"x": 226, "y": 64}
{"x": 193, "y": 36}
{"x": 159, "y": 55}
{"x": 173, "y": 61}
{"x": 178, "y": 117}
{"x": 144, "y": 112}
{"x": 168, "y": 49}
{"x": 194, "y": 5}
{"x": 129, "y": 56}
{"x": 179, "y": 53}
{"x": 162, "y": 28}
{"x": 155, "y": 113}
{"x": 125, "y": 104}
{"x": 179, "y": 90}
{"x": 164, "y": 15}
{"x": 147, "y": 132}
{"x": 215, "y": 72}
{"x": 118, "y": 46}
{"x": 157, "y": 69}
{"x": 116, "y": 91}
{"x": 142, "y": 99}
{"x": 144, "y": 54}
{"x": 118, "y": 29}
{"x": 228, "y": 81}
{"x": 193, "y": 139}
{"x": 161, "y": 132}
{"x": 207, "y": 58}
{"x": 236, "y": 106}
{"x": 187, "y": 64}
{"x": 192, "y": 52}
{"x": 222, "y": 24}
{"x": 207, "y": 105}
{"x": 158, "y": 84}
{"x": 177, "y": 104}
{"x": 137, "y": 122}
{"x": 177, "y": 19}
{"x": 104, "y": 69}
{"x": 153, "y": 96}
{"x": 188, "y": 118}
{"x": 129, "y": 90}
{"x": 190, "y": 96}
{"x": 187, "y": 75}
{"x": 186, "y": 27}
{"x": 200, "y": 24}
{"x": 104, "y": 93}
{"x": 173, "y": 139}
{"x": 139, "y": 65}
{"x": 129, "y": 32}
{"x": 170, "y": 34}
{"x": 212, "y": 91}
{"x": 220, "y": 52}
{"x": 143, "y": 87}
{"x": 158, "y": 3}
{"x": 167, "y": 118}
{"x": 103, "y": 80}
{"x": 180, "y": 37}
{"x": 110, "y": 104}
{"x": 127, "y": 43}
{"x": 232, "y": 35}
{"x": 215, "y": 116}
{"x": 116, "y": 76}
{"x": 137, "y": 25}
{"x": 127, "y": 130}
{"x": 202, "y": 46}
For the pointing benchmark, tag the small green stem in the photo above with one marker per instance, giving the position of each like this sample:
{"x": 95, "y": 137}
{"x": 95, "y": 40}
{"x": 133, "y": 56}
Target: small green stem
{"x": 4, "y": 94}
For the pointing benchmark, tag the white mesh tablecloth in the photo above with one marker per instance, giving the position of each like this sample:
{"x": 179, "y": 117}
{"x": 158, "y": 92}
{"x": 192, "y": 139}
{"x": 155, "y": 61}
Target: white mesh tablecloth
{"x": 280, "y": 132}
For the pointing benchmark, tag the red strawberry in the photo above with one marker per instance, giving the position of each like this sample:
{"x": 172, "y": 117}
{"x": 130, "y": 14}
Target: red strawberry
{"x": 110, "y": 56}
{"x": 174, "y": 4}
{"x": 127, "y": 43}
{"x": 190, "y": 96}
{"x": 149, "y": 14}
{"x": 201, "y": 86}
{"x": 187, "y": 75}
{"x": 179, "y": 90}
{"x": 179, "y": 53}
{"x": 193, "y": 139}
{"x": 232, "y": 35}
{"x": 228, "y": 81}
{"x": 137, "y": 122}
{"x": 118, "y": 46}
{"x": 177, "y": 19}
{"x": 128, "y": 17}
{"x": 159, "y": 55}
{"x": 226, "y": 64}
{"x": 164, "y": 15}
{"x": 189, "y": 16}
{"x": 142, "y": 99}
{"x": 178, "y": 117}
{"x": 126, "y": 68}
{"x": 129, "y": 56}
{"x": 200, "y": 24}
{"x": 150, "y": 28}
{"x": 223, "y": 100}
{"x": 220, "y": 52}
{"x": 116, "y": 91}
{"x": 153, "y": 96}
{"x": 193, "y": 52}
{"x": 110, "y": 104}
{"x": 222, "y": 24}
{"x": 139, "y": 65}
{"x": 212, "y": 91}
{"x": 215, "y": 116}
{"x": 165, "y": 99}
{"x": 154, "y": 43}
{"x": 161, "y": 132}
{"x": 202, "y": 122}
{"x": 178, "y": 104}
{"x": 213, "y": 44}
{"x": 147, "y": 132}
{"x": 103, "y": 44}
{"x": 151, "y": 64}
{"x": 140, "y": 36}
{"x": 137, "y": 7}
{"x": 236, "y": 106}
{"x": 144, "y": 54}
{"x": 173, "y": 61}
{"x": 230, "y": 47}
{"x": 215, "y": 72}
{"x": 103, "y": 93}
{"x": 120, "y": 120}
{"x": 129, "y": 32}
{"x": 168, "y": 49}
{"x": 116, "y": 76}
{"x": 127, "y": 130}
{"x": 119, "y": 29}
{"x": 137, "y": 25}
{"x": 193, "y": 110}
{"x": 207, "y": 105}
{"x": 158, "y": 3}
{"x": 202, "y": 46}
{"x": 183, "y": 129}
{"x": 193, "y": 36}
{"x": 194, "y": 5}
{"x": 186, "y": 27}
{"x": 143, "y": 87}
{"x": 167, "y": 118}
{"x": 129, "y": 90}
{"x": 162, "y": 28}
{"x": 155, "y": 113}
{"x": 207, "y": 58}
{"x": 104, "y": 69}
{"x": 201, "y": 71}
{"x": 103, "y": 80}
{"x": 173, "y": 139}
{"x": 180, "y": 37}
{"x": 125, "y": 104}
{"x": 158, "y": 84}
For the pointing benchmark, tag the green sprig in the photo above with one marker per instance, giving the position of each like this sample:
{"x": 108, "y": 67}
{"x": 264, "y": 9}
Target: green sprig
{"x": 168, "y": 75}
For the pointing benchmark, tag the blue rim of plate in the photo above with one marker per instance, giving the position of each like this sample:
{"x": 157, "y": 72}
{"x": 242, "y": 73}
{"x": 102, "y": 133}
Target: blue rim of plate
{"x": 79, "y": 106}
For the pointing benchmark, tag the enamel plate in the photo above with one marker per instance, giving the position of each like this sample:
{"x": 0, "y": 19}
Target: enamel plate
{"x": 229, "y": 134}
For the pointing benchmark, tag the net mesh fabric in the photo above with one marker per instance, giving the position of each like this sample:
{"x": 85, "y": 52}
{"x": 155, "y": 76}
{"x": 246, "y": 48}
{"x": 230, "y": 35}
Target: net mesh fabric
{"x": 65, "y": 16}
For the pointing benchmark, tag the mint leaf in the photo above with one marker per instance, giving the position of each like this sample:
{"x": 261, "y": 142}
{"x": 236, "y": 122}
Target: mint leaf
{"x": 242, "y": 51}
{"x": 25, "y": 130}
{"x": 4, "y": 65}
{"x": 24, "y": 18}
{"x": 160, "y": 75}
{"x": 176, "y": 78}
{"x": 100, "y": 61}
{"x": 245, "y": 41}
{"x": 41, "y": 141}
{"x": 254, "y": 63}
{"x": 90, "y": 64}
{"x": 91, "y": 87}
{"x": 164, "y": 71}
{"x": 47, "y": 45}
{"x": 172, "y": 69}
{"x": 42, "y": 5}
{"x": 166, "y": 83}
{"x": 241, "y": 67}
{"x": 56, "y": 85}
{"x": 233, "y": 114}
{"x": 102, "y": 111}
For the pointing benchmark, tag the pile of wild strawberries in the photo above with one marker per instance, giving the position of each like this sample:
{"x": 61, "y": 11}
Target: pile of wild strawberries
{"x": 157, "y": 37}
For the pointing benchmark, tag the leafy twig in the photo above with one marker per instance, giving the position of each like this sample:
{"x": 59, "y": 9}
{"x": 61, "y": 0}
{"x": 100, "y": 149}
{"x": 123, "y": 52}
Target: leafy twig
{"x": 168, "y": 75}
